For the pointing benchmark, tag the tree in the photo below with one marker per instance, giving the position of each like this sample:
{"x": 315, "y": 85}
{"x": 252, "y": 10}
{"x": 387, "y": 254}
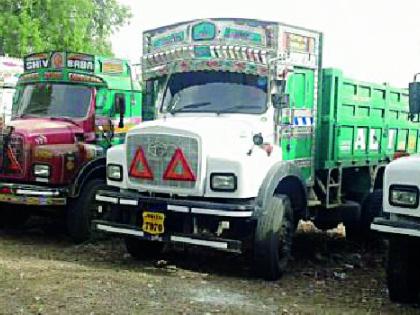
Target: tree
{"x": 28, "y": 26}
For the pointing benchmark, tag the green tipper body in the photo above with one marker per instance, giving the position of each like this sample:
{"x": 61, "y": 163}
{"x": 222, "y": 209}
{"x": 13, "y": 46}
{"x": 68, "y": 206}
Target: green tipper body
{"x": 362, "y": 124}
{"x": 357, "y": 123}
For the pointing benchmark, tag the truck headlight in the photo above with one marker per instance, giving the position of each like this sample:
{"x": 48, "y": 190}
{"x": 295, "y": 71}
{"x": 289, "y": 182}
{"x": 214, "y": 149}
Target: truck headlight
{"x": 42, "y": 170}
{"x": 404, "y": 196}
{"x": 223, "y": 182}
{"x": 114, "y": 172}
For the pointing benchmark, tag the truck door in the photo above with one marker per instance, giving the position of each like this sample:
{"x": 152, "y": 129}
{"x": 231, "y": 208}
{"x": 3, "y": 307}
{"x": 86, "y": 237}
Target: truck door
{"x": 297, "y": 136}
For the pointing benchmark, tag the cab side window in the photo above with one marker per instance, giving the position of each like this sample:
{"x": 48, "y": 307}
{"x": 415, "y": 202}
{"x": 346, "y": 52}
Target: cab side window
{"x": 101, "y": 100}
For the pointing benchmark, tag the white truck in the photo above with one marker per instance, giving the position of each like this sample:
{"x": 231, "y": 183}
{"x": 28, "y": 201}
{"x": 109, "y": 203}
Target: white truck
{"x": 248, "y": 136}
{"x": 400, "y": 221}
{"x": 10, "y": 69}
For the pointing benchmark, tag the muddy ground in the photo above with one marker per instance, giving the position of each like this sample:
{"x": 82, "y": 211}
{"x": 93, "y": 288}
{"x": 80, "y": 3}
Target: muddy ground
{"x": 42, "y": 272}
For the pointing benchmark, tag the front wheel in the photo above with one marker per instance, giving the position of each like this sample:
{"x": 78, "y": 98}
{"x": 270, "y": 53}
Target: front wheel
{"x": 273, "y": 238}
{"x": 402, "y": 273}
{"x": 82, "y": 210}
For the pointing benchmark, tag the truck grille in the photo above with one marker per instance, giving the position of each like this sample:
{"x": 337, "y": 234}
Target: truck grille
{"x": 8, "y": 165}
{"x": 159, "y": 150}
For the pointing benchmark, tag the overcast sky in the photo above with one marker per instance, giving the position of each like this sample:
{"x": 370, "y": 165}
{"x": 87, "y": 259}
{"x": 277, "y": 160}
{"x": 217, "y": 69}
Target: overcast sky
{"x": 370, "y": 40}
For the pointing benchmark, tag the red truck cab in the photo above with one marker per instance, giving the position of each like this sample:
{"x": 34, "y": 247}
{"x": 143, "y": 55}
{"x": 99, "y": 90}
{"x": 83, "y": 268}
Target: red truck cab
{"x": 52, "y": 153}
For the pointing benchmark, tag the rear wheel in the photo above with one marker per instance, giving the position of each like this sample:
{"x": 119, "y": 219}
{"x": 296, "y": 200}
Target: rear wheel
{"x": 82, "y": 210}
{"x": 371, "y": 208}
{"x": 13, "y": 216}
{"x": 141, "y": 249}
{"x": 273, "y": 238}
{"x": 402, "y": 271}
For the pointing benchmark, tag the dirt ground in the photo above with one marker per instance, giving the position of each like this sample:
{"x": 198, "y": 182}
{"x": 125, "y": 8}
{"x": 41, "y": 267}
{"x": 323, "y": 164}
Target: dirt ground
{"x": 42, "y": 272}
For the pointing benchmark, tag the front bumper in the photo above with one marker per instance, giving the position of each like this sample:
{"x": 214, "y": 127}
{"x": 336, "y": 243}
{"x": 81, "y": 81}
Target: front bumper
{"x": 231, "y": 210}
{"x": 388, "y": 226}
{"x": 32, "y": 195}
{"x": 183, "y": 216}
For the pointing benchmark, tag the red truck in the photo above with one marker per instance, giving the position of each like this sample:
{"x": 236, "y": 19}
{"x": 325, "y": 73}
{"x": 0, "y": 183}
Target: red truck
{"x": 68, "y": 109}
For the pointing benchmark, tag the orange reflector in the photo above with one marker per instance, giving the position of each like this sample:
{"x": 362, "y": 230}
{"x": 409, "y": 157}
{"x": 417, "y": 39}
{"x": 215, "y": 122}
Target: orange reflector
{"x": 139, "y": 167}
{"x": 179, "y": 169}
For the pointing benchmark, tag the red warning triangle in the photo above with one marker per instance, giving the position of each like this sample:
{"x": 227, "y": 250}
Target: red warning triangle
{"x": 179, "y": 169}
{"x": 139, "y": 167}
{"x": 14, "y": 164}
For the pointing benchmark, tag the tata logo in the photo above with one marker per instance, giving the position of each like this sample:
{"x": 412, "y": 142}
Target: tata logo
{"x": 40, "y": 140}
{"x": 157, "y": 150}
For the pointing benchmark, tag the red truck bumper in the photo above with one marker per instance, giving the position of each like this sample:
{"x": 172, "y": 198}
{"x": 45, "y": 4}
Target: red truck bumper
{"x": 32, "y": 195}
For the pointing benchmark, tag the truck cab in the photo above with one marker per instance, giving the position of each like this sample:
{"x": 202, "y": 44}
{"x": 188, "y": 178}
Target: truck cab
{"x": 68, "y": 109}
{"x": 210, "y": 170}
{"x": 399, "y": 222}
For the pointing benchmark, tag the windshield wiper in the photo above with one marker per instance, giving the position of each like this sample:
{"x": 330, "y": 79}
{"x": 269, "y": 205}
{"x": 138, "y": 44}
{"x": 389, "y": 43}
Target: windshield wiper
{"x": 233, "y": 108}
{"x": 64, "y": 119}
{"x": 195, "y": 105}
{"x": 24, "y": 115}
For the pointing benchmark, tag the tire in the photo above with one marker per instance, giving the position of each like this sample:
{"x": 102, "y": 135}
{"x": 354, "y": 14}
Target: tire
{"x": 402, "y": 272}
{"x": 324, "y": 226}
{"x": 80, "y": 211}
{"x": 371, "y": 208}
{"x": 273, "y": 238}
{"x": 141, "y": 249}
{"x": 13, "y": 216}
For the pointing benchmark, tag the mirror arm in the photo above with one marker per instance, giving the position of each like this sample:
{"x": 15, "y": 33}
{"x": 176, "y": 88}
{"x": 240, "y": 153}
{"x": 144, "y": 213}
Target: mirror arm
{"x": 121, "y": 122}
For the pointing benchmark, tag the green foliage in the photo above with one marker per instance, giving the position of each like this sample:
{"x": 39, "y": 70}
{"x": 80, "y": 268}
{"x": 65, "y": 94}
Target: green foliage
{"x": 28, "y": 26}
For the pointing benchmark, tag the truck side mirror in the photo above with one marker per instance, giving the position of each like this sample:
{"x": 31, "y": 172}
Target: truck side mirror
{"x": 120, "y": 108}
{"x": 414, "y": 96}
{"x": 280, "y": 101}
{"x": 279, "y": 98}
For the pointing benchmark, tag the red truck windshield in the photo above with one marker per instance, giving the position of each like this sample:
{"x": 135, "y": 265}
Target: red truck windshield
{"x": 53, "y": 100}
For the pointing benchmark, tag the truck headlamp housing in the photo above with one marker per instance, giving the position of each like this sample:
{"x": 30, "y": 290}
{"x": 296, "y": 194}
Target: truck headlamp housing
{"x": 223, "y": 182}
{"x": 42, "y": 170}
{"x": 114, "y": 172}
{"x": 404, "y": 196}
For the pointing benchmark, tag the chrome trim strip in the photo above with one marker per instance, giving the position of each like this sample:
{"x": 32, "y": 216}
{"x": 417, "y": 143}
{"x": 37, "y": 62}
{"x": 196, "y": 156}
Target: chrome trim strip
{"x": 36, "y": 193}
{"x": 106, "y": 199}
{"x": 394, "y": 230}
{"x": 177, "y": 208}
{"x": 129, "y": 202}
{"x": 213, "y": 244}
{"x": 222, "y": 213}
{"x": 112, "y": 229}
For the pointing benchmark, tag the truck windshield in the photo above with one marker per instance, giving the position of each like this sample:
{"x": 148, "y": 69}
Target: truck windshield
{"x": 218, "y": 92}
{"x": 53, "y": 100}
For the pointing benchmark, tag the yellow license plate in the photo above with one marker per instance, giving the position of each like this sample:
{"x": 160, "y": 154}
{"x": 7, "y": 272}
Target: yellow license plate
{"x": 153, "y": 222}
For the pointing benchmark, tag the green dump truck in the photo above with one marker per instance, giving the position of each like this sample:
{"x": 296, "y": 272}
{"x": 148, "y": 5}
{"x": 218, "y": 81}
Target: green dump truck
{"x": 68, "y": 109}
{"x": 251, "y": 135}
